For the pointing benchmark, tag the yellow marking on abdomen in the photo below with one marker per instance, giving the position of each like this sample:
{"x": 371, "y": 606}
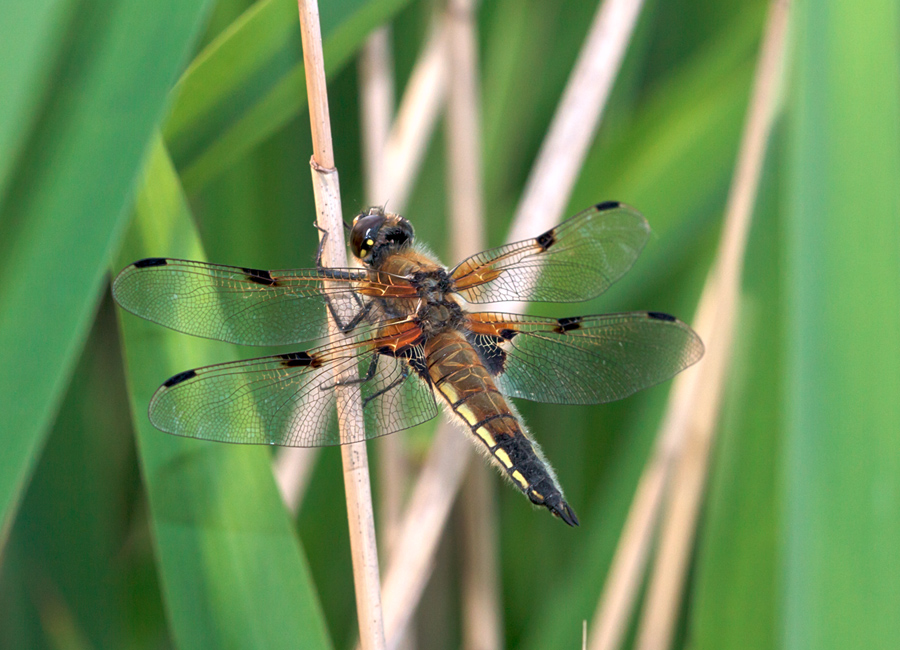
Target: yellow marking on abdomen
{"x": 450, "y": 393}
{"x": 485, "y": 435}
{"x": 521, "y": 479}
{"x": 467, "y": 415}
{"x": 503, "y": 457}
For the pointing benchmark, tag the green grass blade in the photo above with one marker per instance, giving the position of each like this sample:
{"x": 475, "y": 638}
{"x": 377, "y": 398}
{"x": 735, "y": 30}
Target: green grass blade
{"x": 63, "y": 208}
{"x": 735, "y": 600}
{"x": 248, "y": 83}
{"x": 232, "y": 570}
{"x": 841, "y": 522}
{"x": 31, "y": 40}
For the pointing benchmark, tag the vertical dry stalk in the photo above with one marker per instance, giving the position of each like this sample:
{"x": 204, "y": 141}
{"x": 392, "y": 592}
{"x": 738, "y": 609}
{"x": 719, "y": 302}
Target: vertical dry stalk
{"x": 667, "y": 583}
{"x": 410, "y": 563}
{"x": 376, "y": 85}
{"x": 356, "y": 470}
{"x": 686, "y": 435}
{"x": 480, "y": 582}
{"x": 402, "y": 155}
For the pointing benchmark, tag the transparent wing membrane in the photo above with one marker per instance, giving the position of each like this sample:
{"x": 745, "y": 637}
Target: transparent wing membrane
{"x": 582, "y": 360}
{"x": 289, "y": 399}
{"x": 577, "y": 260}
{"x": 245, "y": 306}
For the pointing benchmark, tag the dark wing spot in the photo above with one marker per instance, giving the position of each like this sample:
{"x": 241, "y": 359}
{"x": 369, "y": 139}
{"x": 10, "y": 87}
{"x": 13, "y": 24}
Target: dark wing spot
{"x": 507, "y": 335}
{"x": 568, "y": 324}
{"x": 608, "y": 205}
{"x": 546, "y": 240}
{"x": 660, "y": 316}
{"x": 180, "y": 377}
{"x": 150, "y": 261}
{"x": 259, "y": 276}
{"x": 299, "y": 360}
{"x": 413, "y": 354}
{"x": 490, "y": 352}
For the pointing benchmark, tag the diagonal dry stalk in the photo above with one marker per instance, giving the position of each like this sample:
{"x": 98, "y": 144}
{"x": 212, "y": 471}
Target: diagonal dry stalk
{"x": 682, "y": 450}
{"x": 356, "y": 469}
{"x": 410, "y": 562}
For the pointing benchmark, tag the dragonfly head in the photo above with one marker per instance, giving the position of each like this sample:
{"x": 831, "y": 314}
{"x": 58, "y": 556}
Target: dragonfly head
{"x": 375, "y": 232}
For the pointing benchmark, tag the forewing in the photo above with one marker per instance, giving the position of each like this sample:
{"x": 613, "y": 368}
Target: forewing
{"x": 290, "y": 399}
{"x": 582, "y": 360}
{"x": 247, "y": 306}
{"x": 577, "y": 260}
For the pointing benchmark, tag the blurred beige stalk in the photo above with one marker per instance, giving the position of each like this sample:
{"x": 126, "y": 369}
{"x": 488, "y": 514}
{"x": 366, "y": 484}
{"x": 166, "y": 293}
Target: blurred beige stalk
{"x": 481, "y": 611}
{"x": 682, "y": 450}
{"x": 326, "y": 190}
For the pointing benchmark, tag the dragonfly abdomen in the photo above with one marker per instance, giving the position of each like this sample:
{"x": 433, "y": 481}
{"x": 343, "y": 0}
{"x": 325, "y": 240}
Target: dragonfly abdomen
{"x": 460, "y": 378}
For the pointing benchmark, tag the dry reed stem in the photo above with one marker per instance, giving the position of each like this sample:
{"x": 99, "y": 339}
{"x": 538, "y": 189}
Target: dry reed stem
{"x": 356, "y": 469}
{"x": 481, "y": 616}
{"x": 572, "y": 130}
{"x": 686, "y": 435}
{"x": 679, "y": 527}
{"x": 402, "y": 156}
{"x": 410, "y": 563}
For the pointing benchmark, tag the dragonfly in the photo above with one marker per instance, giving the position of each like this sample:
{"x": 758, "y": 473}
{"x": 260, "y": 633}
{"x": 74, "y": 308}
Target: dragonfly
{"x": 412, "y": 340}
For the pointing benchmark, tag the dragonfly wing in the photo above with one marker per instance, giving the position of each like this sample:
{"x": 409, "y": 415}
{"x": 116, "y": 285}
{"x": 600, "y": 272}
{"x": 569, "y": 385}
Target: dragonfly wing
{"x": 585, "y": 359}
{"x": 577, "y": 260}
{"x": 246, "y": 306}
{"x": 289, "y": 399}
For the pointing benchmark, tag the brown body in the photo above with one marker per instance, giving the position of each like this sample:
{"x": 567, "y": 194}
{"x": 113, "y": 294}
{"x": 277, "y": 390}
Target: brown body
{"x": 459, "y": 376}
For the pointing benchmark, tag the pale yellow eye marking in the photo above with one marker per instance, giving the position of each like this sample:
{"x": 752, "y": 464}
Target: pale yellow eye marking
{"x": 521, "y": 479}
{"x": 503, "y": 457}
{"x": 467, "y": 414}
{"x": 369, "y": 242}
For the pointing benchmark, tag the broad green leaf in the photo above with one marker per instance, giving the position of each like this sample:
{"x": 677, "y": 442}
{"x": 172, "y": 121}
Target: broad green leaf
{"x": 31, "y": 42}
{"x": 249, "y": 82}
{"x": 232, "y": 571}
{"x": 64, "y": 204}
{"x": 841, "y": 526}
{"x": 70, "y": 522}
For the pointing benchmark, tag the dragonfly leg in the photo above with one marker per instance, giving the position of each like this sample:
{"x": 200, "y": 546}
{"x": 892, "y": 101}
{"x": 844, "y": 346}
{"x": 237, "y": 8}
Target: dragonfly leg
{"x": 403, "y": 375}
{"x": 349, "y": 326}
{"x": 373, "y": 367}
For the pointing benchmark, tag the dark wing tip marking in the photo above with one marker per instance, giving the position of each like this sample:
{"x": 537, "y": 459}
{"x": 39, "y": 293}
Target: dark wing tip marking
{"x": 546, "y": 240}
{"x": 299, "y": 360}
{"x": 568, "y": 324}
{"x": 180, "y": 377}
{"x": 150, "y": 261}
{"x": 507, "y": 334}
{"x": 259, "y": 276}
{"x": 608, "y": 205}
{"x": 657, "y": 315}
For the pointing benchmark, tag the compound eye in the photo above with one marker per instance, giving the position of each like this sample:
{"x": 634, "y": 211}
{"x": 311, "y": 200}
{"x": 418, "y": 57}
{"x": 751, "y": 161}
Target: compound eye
{"x": 363, "y": 234}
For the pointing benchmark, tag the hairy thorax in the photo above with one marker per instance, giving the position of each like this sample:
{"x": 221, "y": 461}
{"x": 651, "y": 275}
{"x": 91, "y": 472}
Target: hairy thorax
{"x": 435, "y": 308}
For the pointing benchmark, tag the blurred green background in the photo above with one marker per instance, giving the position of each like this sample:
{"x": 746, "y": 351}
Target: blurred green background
{"x": 179, "y": 127}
